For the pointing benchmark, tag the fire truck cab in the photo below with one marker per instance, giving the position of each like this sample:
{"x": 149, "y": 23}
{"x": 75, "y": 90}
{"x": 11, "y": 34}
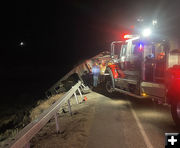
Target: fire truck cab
{"x": 143, "y": 68}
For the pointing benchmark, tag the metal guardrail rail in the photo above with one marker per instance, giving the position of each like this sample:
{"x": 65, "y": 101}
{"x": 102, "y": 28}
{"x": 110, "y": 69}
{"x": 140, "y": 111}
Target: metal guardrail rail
{"x": 22, "y": 139}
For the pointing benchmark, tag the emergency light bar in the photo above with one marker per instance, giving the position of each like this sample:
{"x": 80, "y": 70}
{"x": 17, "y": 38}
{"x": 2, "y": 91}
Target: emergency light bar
{"x": 128, "y": 36}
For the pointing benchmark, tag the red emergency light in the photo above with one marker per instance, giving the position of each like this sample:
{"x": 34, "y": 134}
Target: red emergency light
{"x": 128, "y": 36}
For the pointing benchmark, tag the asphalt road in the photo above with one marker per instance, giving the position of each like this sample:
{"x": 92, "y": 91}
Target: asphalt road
{"x": 124, "y": 122}
{"x": 116, "y": 121}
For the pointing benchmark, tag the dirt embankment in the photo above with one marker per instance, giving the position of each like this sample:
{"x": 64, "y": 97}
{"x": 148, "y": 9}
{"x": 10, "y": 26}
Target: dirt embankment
{"x": 18, "y": 116}
{"x": 43, "y": 105}
{"x": 74, "y": 129}
{"x": 13, "y": 117}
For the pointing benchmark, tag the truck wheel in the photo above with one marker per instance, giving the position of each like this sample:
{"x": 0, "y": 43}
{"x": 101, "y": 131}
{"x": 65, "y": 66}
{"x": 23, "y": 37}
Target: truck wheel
{"x": 175, "y": 111}
{"x": 109, "y": 86}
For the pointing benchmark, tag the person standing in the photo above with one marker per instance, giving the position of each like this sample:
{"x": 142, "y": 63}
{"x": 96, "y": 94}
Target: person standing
{"x": 95, "y": 72}
{"x": 102, "y": 71}
{"x": 102, "y": 67}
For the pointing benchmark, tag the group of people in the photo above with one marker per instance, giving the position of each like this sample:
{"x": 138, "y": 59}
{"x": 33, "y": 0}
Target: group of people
{"x": 97, "y": 70}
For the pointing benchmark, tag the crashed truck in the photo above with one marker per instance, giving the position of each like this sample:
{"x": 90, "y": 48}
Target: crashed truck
{"x": 146, "y": 68}
{"x": 81, "y": 71}
{"x": 137, "y": 66}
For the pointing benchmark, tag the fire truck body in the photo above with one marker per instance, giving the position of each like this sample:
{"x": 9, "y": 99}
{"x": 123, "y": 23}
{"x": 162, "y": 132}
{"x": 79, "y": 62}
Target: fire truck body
{"x": 142, "y": 68}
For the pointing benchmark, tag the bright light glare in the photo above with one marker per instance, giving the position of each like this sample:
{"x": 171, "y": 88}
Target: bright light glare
{"x": 126, "y": 36}
{"x": 154, "y": 22}
{"x": 144, "y": 94}
{"x": 140, "y": 47}
{"x": 146, "y": 32}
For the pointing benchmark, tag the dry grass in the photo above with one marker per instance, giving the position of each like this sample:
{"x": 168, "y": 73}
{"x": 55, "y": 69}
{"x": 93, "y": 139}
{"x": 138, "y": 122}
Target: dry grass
{"x": 74, "y": 129}
{"x": 20, "y": 118}
{"x": 43, "y": 105}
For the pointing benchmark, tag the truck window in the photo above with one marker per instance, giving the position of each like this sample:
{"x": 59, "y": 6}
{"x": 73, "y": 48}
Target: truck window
{"x": 123, "y": 50}
{"x": 123, "y": 56}
{"x": 149, "y": 52}
{"x": 149, "y": 60}
{"x": 137, "y": 48}
{"x": 160, "y": 56}
{"x": 174, "y": 59}
{"x": 134, "y": 49}
{"x": 154, "y": 62}
{"x": 159, "y": 52}
{"x": 117, "y": 50}
{"x": 135, "y": 56}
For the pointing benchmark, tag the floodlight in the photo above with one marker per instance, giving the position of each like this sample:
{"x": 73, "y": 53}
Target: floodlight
{"x": 146, "y": 32}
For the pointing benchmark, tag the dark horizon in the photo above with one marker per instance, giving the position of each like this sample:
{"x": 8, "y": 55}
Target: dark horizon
{"x": 56, "y": 35}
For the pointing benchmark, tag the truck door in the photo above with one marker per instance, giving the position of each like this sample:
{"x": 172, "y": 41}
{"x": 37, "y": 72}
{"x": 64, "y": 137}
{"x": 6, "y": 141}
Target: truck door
{"x": 130, "y": 66}
{"x": 160, "y": 63}
{"x": 153, "y": 73}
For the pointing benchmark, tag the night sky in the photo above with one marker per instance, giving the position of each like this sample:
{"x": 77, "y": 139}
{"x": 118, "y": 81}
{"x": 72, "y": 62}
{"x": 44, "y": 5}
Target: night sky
{"x": 58, "y": 34}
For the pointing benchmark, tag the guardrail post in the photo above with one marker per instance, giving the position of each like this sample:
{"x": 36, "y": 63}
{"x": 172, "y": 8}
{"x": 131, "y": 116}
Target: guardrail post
{"x": 69, "y": 107}
{"x": 27, "y": 145}
{"x": 80, "y": 94}
{"x": 22, "y": 139}
{"x": 57, "y": 123}
{"x": 83, "y": 85}
{"x": 77, "y": 101}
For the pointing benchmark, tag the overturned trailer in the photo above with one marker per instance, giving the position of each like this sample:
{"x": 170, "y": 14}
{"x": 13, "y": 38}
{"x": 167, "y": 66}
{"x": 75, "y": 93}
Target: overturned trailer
{"x": 77, "y": 73}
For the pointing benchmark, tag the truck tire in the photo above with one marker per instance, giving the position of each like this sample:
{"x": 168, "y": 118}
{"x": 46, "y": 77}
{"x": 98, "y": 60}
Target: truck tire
{"x": 175, "y": 111}
{"x": 108, "y": 86}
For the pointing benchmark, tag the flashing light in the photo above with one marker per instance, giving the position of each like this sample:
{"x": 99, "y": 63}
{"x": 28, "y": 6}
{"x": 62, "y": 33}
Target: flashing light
{"x": 140, "y": 46}
{"x": 127, "y": 36}
{"x": 146, "y": 32}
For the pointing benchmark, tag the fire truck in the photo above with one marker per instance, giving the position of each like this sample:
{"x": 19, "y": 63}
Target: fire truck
{"x": 145, "y": 68}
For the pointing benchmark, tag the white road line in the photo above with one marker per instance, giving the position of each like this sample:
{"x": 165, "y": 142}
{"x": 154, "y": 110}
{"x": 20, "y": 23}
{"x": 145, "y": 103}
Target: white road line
{"x": 143, "y": 133}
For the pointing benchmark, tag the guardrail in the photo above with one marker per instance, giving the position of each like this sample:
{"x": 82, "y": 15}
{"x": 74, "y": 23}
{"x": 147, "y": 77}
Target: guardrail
{"x": 22, "y": 139}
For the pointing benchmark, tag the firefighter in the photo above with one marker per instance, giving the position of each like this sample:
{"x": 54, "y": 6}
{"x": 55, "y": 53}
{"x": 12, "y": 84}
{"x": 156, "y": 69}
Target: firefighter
{"x": 95, "y": 72}
{"x": 102, "y": 67}
{"x": 102, "y": 70}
